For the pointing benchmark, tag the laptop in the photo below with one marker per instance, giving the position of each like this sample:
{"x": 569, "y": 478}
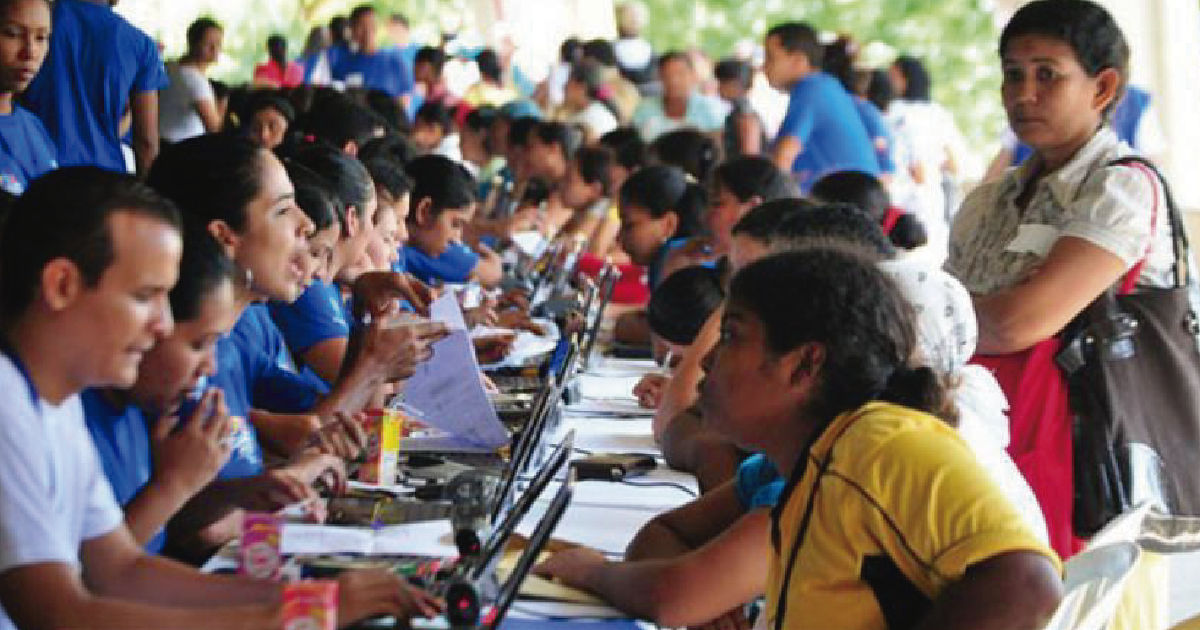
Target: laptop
{"x": 608, "y": 283}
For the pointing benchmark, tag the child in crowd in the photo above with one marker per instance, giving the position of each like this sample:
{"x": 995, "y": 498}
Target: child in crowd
{"x": 434, "y": 132}
{"x": 588, "y": 191}
{"x": 443, "y": 203}
{"x": 268, "y": 120}
{"x": 867, "y": 193}
{"x": 26, "y": 150}
{"x": 66, "y": 557}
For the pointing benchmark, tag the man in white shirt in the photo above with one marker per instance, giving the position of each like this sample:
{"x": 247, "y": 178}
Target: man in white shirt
{"x": 86, "y": 260}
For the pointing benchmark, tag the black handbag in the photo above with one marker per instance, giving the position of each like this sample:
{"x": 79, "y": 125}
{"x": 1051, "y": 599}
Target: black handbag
{"x": 1132, "y": 366}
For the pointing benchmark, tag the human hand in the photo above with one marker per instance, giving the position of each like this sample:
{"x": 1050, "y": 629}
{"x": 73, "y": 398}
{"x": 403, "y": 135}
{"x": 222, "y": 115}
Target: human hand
{"x": 187, "y": 458}
{"x": 378, "y": 291}
{"x": 372, "y": 593}
{"x": 320, "y": 470}
{"x": 398, "y": 349}
{"x": 343, "y": 436}
{"x": 649, "y": 390}
{"x": 574, "y": 567}
{"x": 493, "y": 348}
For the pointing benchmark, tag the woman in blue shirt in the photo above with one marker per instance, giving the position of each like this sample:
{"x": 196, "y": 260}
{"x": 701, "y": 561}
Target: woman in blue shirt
{"x": 26, "y": 151}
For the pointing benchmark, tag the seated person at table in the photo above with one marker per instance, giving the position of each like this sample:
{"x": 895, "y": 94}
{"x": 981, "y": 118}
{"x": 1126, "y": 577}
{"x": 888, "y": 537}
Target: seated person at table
{"x": 26, "y": 150}
{"x": 317, "y": 326}
{"x": 587, "y": 191}
{"x": 341, "y": 122}
{"x": 443, "y": 203}
{"x": 82, "y": 302}
{"x": 818, "y": 379}
{"x": 393, "y": 188}
{"x": 241, "y": 192}
{"x": 866, "y": 192}
{"x": 660, "y": 210}
{"x": 433, "y": 131}
{"x": 158, "y": 452}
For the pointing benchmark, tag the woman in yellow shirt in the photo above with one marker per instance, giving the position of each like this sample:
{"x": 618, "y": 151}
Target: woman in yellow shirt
{"x": 887, "y": 520}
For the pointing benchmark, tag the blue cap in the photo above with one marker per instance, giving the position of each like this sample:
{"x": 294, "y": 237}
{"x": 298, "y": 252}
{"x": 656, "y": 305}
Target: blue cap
{"x": 520, "y": 109}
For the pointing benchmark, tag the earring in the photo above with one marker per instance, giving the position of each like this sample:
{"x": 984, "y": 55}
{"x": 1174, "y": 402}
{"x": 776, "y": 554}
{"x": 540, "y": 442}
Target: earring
{"x": 249, "y": 277}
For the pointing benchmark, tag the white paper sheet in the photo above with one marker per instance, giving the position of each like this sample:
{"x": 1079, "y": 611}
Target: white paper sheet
{"x": 619, "y": 388}
{"x": 427, "y": 538}
{"x": 447, "y": 388}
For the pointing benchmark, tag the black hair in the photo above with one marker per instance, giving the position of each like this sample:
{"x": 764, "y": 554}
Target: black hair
{"x": 867, "y": 193}
{"x": 489, "y": 65}
{"x": 588, "y": 74}
{"x": 211, "y": 177}
{"x": 389, "y": 177}
{"x": 360, "y": 11}
{"x": 752, "y": 176}
{"x": 443, "y": 181}
{"x": 627, "y": 146}
{"x": 683, "y": 302}
{"x": 843, "y": 302}
{"x": 594, "y": 164}
{"x": 731, "y": 69}
{"x": 338, "y": 120}
{"x": 7, "y": 201}
{"x": 520, "y": 129}
{"x": 1088, "y": 28}
{"x": 880, "y": 91}
{"x": 220, "y": 88}
{"x": 481, "y": 119}
{"x": 601, "y": 51}
{"x": 337, "y": 29}
{"x": 695, "y": 152}
{"x": 268, "y": 100}
{"x": 918, "y": 84}
{"x": 277, "y": 49}
{"x": 348, "y": 178}
{"x": 762, "y": 222}
{"x": 435, "y": 113}
{"x": 557, "y": 134}
{"x": 197, "y": 30}
{"x": 315, "y": 197}
{"x": 799, "y": 37}
{"x": 431, "y": 55}
{"x": 392, "y": 146}
{"x": 389, "y": 113}
{"x": 838, "y": 61}
{"x": 66, "y": 214}
{"x": 399, "y": 18}
{"x": 570, "y": 50}
{"x": 675, "y": 55}
{"x": 832, "y": 222}
{"x": 203, "y": 267}
{"x": 661, "y": 189}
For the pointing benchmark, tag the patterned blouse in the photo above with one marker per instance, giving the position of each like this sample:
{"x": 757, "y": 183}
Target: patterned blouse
{"x": 994, "y": 245}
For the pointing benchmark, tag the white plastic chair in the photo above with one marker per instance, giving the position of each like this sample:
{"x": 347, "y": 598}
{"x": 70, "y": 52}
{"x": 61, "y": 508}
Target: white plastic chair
{"x": 1094, "y": 581}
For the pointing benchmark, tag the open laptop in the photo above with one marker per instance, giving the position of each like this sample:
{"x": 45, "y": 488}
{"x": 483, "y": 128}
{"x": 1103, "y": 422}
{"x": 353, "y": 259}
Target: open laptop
{"x": 608, "y": 283}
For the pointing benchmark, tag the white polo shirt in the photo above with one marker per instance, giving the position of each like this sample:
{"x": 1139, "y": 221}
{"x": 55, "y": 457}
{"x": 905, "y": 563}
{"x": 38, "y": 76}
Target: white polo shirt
{"x": 53, "y": 494}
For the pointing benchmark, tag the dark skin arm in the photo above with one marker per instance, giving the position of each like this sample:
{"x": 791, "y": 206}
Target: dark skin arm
{"x": 689, "y": 446}
{"x": 1013, "y": 590}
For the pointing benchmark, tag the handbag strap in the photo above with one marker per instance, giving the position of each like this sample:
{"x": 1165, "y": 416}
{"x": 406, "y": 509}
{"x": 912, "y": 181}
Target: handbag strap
{"x": 890, "y": 219}
{"x": 1179, "y": 240}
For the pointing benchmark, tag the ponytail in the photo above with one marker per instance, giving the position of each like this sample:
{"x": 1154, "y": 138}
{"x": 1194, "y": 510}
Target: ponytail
{"x": 920, "y": 388}
{"x": 661, "y": 189}
{"x": 908, "y": 232}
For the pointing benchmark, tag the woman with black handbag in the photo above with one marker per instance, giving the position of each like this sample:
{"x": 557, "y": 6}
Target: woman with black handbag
{"x": 1039, "y": 246}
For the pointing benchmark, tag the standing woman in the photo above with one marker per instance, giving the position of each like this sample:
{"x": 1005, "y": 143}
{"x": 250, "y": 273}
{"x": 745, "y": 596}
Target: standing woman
{"x": 1038, "y": 246}
{"x": 189, "y": 106}
{"x": 26, "y": 150}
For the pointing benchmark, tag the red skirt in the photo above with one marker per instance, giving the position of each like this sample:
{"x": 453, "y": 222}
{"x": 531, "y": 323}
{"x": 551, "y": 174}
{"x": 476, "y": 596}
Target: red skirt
{"x": 1040, "y": 423}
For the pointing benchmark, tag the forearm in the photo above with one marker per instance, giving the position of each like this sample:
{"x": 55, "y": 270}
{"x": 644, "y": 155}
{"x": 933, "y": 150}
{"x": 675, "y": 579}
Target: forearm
{"x": 157, "y": 580}
{"x": 1006, "y": 325}
{"x": 656, "y": 540}
{"x": 355, "y": 386}
{"x": 149, "y": 511}
{"x": 144, "y": 112}
{"x": 100, "y": 612}
{"x": 1015, "y": 590}
{"x": 326, "y": 358}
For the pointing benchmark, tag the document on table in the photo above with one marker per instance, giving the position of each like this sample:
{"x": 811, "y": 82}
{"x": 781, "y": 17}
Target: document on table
{"x": 428, "y": 538}
{"x": 447, "y": 388}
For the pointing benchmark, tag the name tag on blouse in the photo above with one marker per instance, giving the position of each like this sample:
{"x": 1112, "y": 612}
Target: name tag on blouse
{"x": 1033, "y": 238}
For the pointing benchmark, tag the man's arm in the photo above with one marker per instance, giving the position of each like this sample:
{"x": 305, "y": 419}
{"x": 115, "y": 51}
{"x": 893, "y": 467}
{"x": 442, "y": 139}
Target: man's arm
{"x": 122, "y": 587}
{"x": 144, "y": 109}
{"x": 785, "y": 152}
{"x": 1018, "y": 589}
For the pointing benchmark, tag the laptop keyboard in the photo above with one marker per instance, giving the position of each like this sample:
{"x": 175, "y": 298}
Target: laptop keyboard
{"x": 370, "y": 512}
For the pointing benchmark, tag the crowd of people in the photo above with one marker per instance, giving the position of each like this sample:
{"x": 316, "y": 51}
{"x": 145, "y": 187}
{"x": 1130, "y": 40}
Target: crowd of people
{"x": 196, "y": 283}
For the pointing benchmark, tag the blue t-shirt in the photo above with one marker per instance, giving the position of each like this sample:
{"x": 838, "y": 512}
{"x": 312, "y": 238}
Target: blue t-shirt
{"x": 878, "y": 132}
{"x": 1125, "y": 119}
{"x": 822, "y": 116}
{"x": 453, "y": 266}
{"x": 383, "y": 70}
{"x": 256, "y": 328}
{"x": 96, "y": 60}
{"x": 26, "y": 151}
{"x": 319, "y": 314}
{"x": 758, "y": 483}
{"x": 235, "y": 378}
{"x": 122, "y": 440}
{"x": 654, "y": 273}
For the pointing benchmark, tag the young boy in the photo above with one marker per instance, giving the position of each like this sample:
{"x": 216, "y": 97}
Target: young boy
{"x": 81, "y": 305}
{"x": 443, "y": 203}
{"x": 822, "y": 131}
